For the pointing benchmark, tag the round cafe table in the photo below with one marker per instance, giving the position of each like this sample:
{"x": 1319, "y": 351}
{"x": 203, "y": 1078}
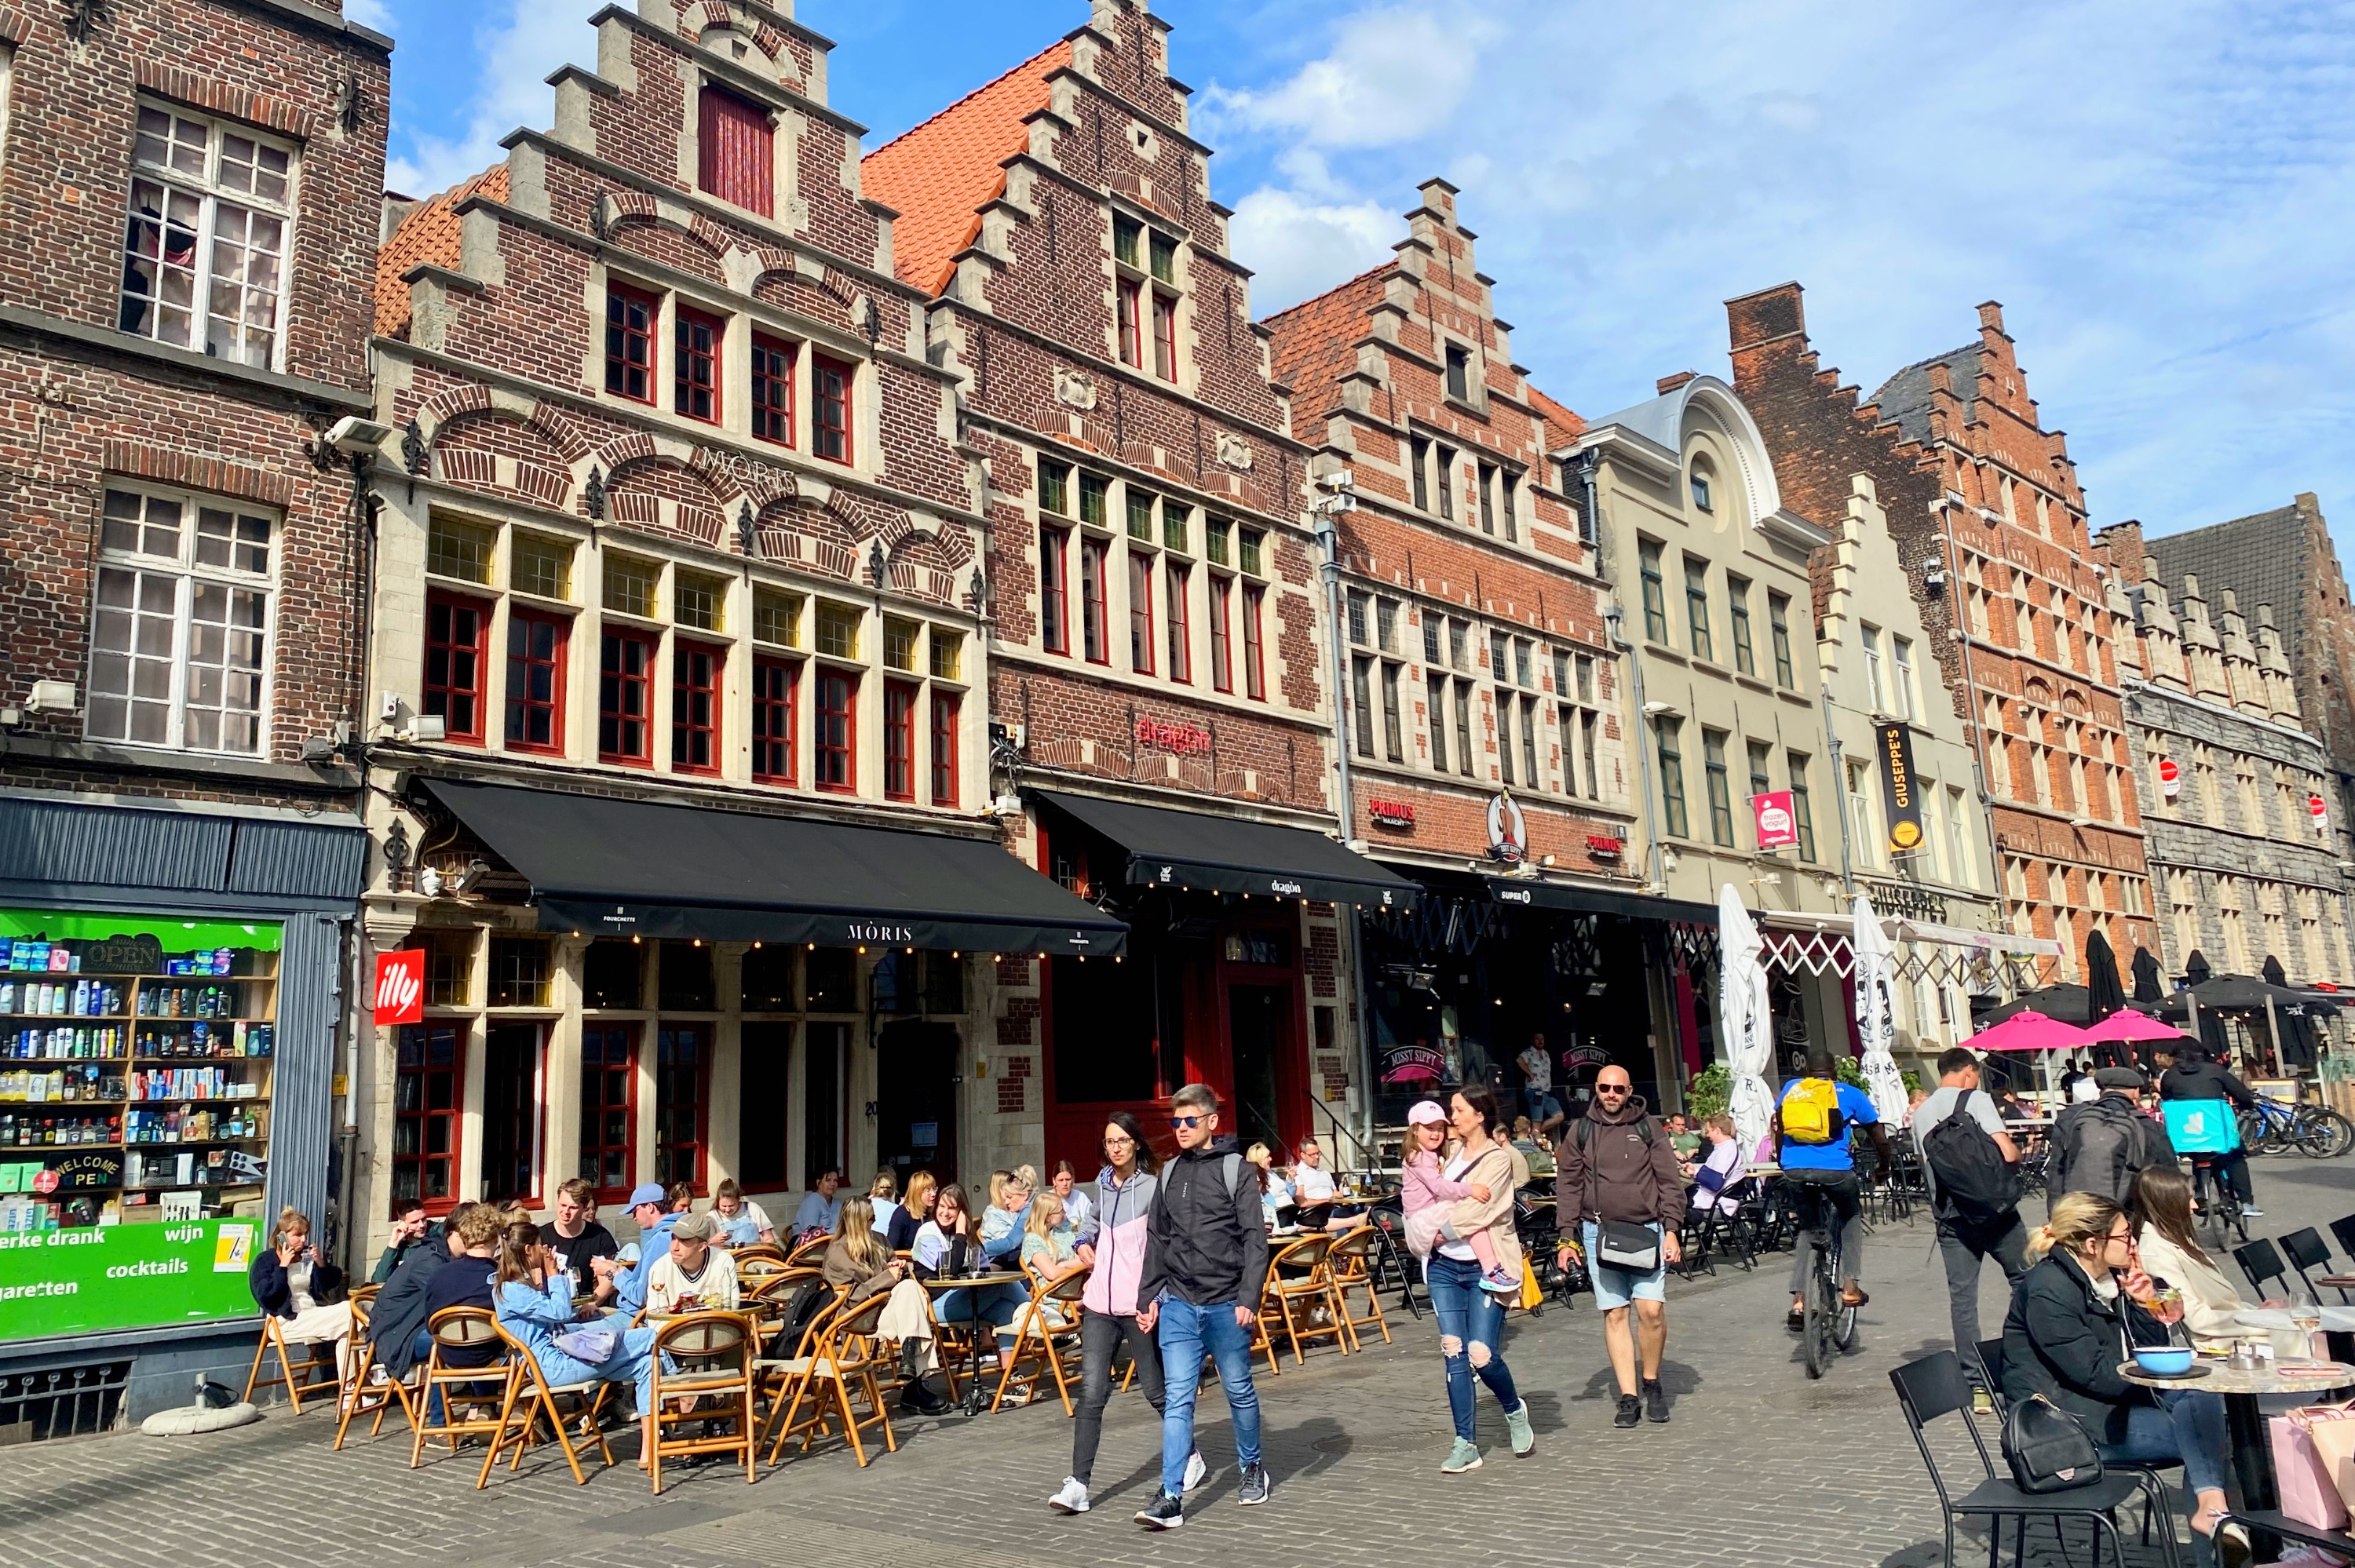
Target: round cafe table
{"x": 2253, "y": 1452}
{"x": 940, "y": 1284}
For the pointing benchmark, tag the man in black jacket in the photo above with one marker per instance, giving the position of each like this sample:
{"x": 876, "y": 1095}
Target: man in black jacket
{"x": 1205, "y": 1269}
{"x": 2195, "y": 1077}
{"x": 398, "y": 1314}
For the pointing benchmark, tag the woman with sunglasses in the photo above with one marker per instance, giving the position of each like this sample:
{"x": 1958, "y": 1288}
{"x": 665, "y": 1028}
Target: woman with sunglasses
{"x": 1126, "y": 1189}
{"x": 2075, "y": 1317}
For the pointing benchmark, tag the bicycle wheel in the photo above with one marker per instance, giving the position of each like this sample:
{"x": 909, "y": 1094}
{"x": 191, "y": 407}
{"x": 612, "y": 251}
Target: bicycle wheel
{"x": 2256, "y": 1132}
{"x": 1822, "y": 1315}
{"x": 2326, "y": 1133}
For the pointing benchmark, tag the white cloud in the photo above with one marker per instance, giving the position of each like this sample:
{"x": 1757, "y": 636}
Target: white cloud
{"x": 1394, "y": 74}
{"x": 1297, "y": 247}
{"x": 525, "y": 40}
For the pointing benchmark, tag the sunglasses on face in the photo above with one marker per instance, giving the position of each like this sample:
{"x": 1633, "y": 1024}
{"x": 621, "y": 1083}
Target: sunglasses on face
{"x": 1188, "y": 1121}
{"x": 1611, "y": 1088}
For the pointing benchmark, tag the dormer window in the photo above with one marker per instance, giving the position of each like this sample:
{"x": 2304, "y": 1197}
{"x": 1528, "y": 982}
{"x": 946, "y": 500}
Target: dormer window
{"x": 1145, "y": 296}
{"x": 1459, "y": 374}
{"x": 735, "y": 156}
{"x": 1701, "y": 492}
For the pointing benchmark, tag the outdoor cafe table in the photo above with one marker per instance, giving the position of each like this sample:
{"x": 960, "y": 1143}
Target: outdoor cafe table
{"x": 977, "y": 1283}
{"x": 2253, "y": 1452}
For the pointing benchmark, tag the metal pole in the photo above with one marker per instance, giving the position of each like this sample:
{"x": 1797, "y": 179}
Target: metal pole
{"x": 1656, "y": 876}
{"x": 1839, "y": 785}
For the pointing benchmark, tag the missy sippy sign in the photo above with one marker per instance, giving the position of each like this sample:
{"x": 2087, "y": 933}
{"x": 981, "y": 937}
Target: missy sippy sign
{"x": 401, "y": 986}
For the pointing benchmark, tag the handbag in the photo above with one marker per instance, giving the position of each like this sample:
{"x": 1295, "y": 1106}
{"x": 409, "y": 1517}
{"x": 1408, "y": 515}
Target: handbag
{"x": 1631, "y": 1249}
{"x": 2331, "y": 1431}
{"x": 1533, "y": 1295}
{"x": 2049, "y": 1449}
{"x": 2309, "y": 1487}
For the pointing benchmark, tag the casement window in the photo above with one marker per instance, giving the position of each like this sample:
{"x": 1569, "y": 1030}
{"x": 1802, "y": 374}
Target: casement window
{"x": 1446, "y": 474}
{"x": 1529, "y": 744}
{"x": 1464, "y": 728}
{"x": 535, "y": 693}
{"x": 945, "y": 708}
{"x": 1778, "y": 625}
{"x": 1393, "y": 726}
{"x": 830, "y": 384}
{"x": 1361, "y": 705}
{"x": 1095, "y": 635}
{"x": 1802, "y": 813}
{"x": 609, "y": 1109}
{"x": 1667, "y": 738}
{"x": 455, "y": 631}
{"x": 625, "y": 698}
{"x": 429, "y": 1074}
{"x": 694, "y": 707}
{"x": 735, "y": 150}
{"x": 1094, "y": 492}
{"x": 1505, "y": 738}
{"x": 899, "y": 740}
{"x": 1509, "y": 504}
{"x": 1164, "y": 335}
{"x": 1222, "y": 593}
{"x": 180, "y": 640}
{"x": 1181, "y": 632}
{"x": 1132, "y": 350}
{"x": 776, "y": 693}
{"x": 1656, "y": 603}
{"x": 1696, "y": 608}
{"x": 1737, "y": 595}
{"x": 1435, "y": 715}
{"x": 1140, "y": 611}
{"x": 835, "y": 749}
{"x": 772, "y": 390}
{"x": 695, "y": 365}
{"x": 1419, "y": 460}
{"x": 1459, "y": 373}
{"x": 204, "y": 241}
{"x": 682, "y": 1103}
{"x": 1054, "y": 629}
{"x": 1721, "y": 793}
{"x": 631, "y": 317}
{"x": 1140, "y": 513}
{"x": 1254, "y": 674}
{"x": 1488, "y": 482}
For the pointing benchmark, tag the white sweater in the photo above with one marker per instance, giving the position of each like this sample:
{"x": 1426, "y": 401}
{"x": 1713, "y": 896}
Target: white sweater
{"x": 2210, "y": 1300}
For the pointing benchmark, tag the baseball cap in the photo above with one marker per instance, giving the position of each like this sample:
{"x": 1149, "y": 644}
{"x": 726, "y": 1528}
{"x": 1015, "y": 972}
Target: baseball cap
{"x": 695, "y": 1227}
{"x": 2119, "y": 1078}
{"x": 648, "y": 1193}
{"x": 1423, "y": 1111}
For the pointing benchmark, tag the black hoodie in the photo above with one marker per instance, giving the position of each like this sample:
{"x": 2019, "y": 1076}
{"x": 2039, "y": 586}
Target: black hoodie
{"x": 1205, "y": 1244}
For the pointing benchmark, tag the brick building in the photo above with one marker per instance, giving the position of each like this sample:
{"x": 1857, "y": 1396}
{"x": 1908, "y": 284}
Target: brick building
{"x": 1156, "y": 646}
{"x": 1984, "y": 504}
{"x": 191, "y": 211}
{"x": 679, "y": 639}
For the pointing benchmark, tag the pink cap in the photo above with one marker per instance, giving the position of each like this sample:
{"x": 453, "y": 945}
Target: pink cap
{"x": 1423, "y": 1111}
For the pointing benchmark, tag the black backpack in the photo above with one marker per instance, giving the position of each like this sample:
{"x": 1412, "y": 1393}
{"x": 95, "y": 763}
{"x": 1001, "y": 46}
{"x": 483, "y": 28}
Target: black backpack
{"x": 1969, "y": 1177}
{"x": 2103, "y": 1148}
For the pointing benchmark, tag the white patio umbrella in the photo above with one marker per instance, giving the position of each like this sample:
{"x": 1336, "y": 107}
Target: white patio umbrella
{"x": 1745, "y": 1029}
{"x": 1876, "y": 1013}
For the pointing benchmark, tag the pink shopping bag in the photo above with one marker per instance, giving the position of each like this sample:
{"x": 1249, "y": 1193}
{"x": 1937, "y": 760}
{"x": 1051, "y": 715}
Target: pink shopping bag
{"x": 2309, "y": 1491}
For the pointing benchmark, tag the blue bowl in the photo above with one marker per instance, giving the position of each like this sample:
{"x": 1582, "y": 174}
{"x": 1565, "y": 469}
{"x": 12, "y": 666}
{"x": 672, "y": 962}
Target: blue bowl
{"x": 2168, "y": 1360}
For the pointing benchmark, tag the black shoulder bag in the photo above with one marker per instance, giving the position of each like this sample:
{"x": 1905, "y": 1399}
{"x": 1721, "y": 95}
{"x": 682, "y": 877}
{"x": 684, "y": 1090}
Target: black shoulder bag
{"x": 2049, "y": 1449}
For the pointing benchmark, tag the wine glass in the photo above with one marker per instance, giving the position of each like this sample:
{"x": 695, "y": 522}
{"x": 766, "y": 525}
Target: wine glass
{"x": 2305, "y": 1315}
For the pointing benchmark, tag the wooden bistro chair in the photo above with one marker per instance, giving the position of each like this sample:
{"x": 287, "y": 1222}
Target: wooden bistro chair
{"x": 318, "y": 1375}
{"x": 462, "y": 1330}
{"x": 810, "y": 1254}
{"x": 842, "y": 1361}
{"x": 716, "y": 1353}
{"x": 1041, "y": 1349}
{"x": 361, "y": 1398}
{"x": 1295, "y": 1297}
{"x": 532, "y": 1399}
{"x": 1349, "y": 1263}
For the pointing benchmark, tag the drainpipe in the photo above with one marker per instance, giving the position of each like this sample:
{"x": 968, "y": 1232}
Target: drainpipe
{"x": 1328, "y": 536}
{"x": 1840, "y": 784}
{"x": 1655, "y": 875}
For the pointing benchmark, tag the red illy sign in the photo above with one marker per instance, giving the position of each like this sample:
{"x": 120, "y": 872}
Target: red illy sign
{"x": 401, "y": 986}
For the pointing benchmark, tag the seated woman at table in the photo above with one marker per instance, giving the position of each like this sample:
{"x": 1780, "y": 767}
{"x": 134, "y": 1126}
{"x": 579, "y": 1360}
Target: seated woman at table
{"x": 883, "y": 1197}
{"x": 1721, "y": 1170}
{"x": 533, "y": 1303}
{"x": 1276, "y": 1202}
{"x": 2072, "y": 1316}
{"x": 694, "y": 1276}
{"x": 913, "y": 1211}
{"x": 945, "y": 1249}
{"x": 2160, "y": 1206}
{"x": 1078, "y": 1208}
{"x": 741, "y": 1221}
{"x": 1051, "y": 1248}
{"x": 859, "y": 1265}
{"x": 302, "y": 1290}
{"x": 1008, "y": 1210}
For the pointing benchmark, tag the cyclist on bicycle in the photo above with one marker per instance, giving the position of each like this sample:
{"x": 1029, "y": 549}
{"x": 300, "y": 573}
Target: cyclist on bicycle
{"x": 2197, "y": 1077}
{"x": 1812, "y": 1124}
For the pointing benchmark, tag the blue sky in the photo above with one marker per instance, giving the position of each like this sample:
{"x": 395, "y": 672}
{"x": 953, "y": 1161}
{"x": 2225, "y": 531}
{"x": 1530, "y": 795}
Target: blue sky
{"x": 2160, "y": 195}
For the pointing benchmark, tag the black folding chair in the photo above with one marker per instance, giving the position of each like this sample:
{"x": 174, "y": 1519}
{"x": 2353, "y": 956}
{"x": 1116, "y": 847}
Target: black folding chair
{"x": 2260, "y": 1262}
{"x": 1932, "y": 1388}
{"x": 1992, "y": 1358}
{"x": 2307, "y": 1252}
{"x": 2344, "y": 1230}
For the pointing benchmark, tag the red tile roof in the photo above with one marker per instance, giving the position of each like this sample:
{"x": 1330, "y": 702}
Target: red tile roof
{"x": 1556, "y": 414}
{"x": 428, "y": 235}
{"x": 938, "y": 176}
{"x": 1314, "y": 342}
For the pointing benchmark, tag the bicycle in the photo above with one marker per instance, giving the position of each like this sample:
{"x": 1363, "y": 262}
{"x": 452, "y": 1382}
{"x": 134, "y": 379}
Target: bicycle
{"x": 2271, "y": 1127}
{"x": 1828, "y": 1319}
{"x": 2223, "y": 1208}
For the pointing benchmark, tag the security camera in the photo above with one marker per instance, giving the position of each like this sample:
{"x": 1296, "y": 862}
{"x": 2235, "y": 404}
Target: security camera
{"x": 1338, "y": 479}
{"x": 472, "y": 877}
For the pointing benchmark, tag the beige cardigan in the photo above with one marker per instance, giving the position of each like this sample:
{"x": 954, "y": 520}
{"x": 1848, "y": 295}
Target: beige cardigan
{"x": 2210, "y": 1300}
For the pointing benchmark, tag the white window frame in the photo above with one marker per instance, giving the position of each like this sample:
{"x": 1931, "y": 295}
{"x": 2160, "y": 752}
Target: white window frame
{"x": 209, "y": 193}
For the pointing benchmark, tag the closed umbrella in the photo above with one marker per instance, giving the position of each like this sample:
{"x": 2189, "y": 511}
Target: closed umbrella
{"x": 2273, "y": 972}
{"x": 1746, "y": 1028}
{"x": 2069, "y": 1003}
{"x": 1876, "y": 1013}
{"x": 2195, "y": 968}
{"x": 2145, "y": 976}
{"x": 2103, "y": 994}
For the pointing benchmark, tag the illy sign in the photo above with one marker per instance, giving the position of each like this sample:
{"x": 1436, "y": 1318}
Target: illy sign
{"x": 401, "y": 986}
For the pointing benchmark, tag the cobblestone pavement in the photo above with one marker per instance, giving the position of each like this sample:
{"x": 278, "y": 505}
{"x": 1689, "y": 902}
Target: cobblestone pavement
{"x": 1758, "y": 1467}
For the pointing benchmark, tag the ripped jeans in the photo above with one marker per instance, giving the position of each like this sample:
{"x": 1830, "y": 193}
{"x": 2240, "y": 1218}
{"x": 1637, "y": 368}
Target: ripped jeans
{"x": 1471, "y": 1322}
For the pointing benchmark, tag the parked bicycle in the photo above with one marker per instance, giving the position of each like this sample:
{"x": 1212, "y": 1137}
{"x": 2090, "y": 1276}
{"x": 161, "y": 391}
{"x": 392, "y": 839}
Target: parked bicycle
{"x": 2276, "y": 1127}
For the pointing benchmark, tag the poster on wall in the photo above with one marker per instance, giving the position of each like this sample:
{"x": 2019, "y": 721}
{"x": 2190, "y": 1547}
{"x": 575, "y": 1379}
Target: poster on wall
{"x": 1777, "y": 824}
{"x": 1900, "y": 802}
{"x": 89, "y": 1279}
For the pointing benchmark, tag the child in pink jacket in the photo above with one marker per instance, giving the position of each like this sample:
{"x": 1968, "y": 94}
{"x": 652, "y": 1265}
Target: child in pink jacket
{"x": 1439, "y": 1210}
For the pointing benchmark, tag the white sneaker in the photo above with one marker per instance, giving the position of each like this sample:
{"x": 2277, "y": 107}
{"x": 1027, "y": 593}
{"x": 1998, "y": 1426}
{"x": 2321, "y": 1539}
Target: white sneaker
{"x": 1196, "y": 1472}
{"x": 1073, "y": 1498}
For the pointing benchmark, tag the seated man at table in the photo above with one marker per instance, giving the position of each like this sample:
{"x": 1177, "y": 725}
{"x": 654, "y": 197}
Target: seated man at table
{"x": 694, "y": 1276}
{"x": 1316, "y": 1195}
{"x": 577, "y": 1240}
{"x": 649, "y": 1206}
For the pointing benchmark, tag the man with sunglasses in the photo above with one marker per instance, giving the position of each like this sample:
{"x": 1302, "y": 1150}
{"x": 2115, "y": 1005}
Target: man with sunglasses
{"x": 1616, "y": 1167}
{"x": 1205, "y": 1270}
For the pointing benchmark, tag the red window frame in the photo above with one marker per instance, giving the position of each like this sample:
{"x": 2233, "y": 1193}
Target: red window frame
{"x": 1164, "y": 335}
{"x": 735, "y": 150}
{"x": 776, "y": 705}
{"x": 899, "y": 741}
{"x": 530, "y": 658}
{"x": 1093, "y": 616}
{"x": 609, "y": 1109}
{"x": 1181, "y": 627}
{"x": 772, "y": 389}
{"x": 428, "y": 1097}
{"x": 1131, "y": 346}
{"x": 834, "y": 737}
{"x": 695, "y": 340}
{"x": 625, "y": 698}
{"x": 1223, "y": 670}
{"x": 457, "y": 649}
{"x": 682, "y": 1103}
{"x": 631, "y": 316}
{"x": 946, "y": 705}
{"x": 694, "y": 674}
{"x": 831, "y": 381}
{"x": 1255, "y": 676}
{"x": 1140, "y": 611}
{"x": 1054, "y": 626}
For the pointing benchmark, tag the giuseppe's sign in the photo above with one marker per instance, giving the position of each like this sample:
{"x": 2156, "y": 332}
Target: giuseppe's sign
{"x": 401, "y": 986}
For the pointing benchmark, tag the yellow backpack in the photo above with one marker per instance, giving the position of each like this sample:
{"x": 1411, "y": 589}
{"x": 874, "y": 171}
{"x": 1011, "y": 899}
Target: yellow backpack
{"x": 1811, "y": 1112}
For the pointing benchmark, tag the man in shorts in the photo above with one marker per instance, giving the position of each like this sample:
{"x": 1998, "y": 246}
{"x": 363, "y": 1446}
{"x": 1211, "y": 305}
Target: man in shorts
{"x": 1616, "y": 1164}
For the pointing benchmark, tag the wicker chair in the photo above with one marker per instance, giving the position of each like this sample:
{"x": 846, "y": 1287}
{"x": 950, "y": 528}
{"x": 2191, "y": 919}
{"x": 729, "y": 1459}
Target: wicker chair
{"x": 1349, "y": 1263}
{"x": 462, "y": 1330}
{"x": 716, "y": 1353}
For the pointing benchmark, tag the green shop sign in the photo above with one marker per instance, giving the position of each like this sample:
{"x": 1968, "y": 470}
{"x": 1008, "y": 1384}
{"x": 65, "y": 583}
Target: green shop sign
{"x": 90, "y": 1278}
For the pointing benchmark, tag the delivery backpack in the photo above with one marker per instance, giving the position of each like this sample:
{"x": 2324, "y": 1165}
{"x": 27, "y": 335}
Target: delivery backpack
{"x": 2201, "y": 1126}
{"x": 1969, "y": 1177}
{"x": 1811, "y": 1112}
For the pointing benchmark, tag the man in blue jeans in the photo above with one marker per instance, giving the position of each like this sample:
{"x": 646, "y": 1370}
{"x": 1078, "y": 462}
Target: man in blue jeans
{"x": 1205, "y": 1268}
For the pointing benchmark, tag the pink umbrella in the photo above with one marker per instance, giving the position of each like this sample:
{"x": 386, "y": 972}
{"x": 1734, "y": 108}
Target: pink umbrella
{"x": 2029, "y": 1032}
{"x": 2127, "y": 1027}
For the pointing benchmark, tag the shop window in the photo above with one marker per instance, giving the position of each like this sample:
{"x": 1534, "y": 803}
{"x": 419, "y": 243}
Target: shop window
{"x": 429, "y": 1074}
{"x": 899, "y": 741}
{"x": 1222, "y": 592}
{"x": 944, "y": 747}
{"x": 735, "y": 150}
{"x": 830, "y": 384}
{"x": 1096, "y": 635}
{"x": 541, "y": 565}
{"x": 1181, "y": 632}
{"x": 626, "y": 699}
{"x": 535, "y": 696}
{"x": 180, "y": 643}
{"x": 612, "y": 975}
{"x": 520, "y": 967}
{"x": 630, "y": 317}
{"x": 1054, "y": 633}
{"x": 1103, "y": 1037}
{"x": 1255, "y": 677}
{"x": 204, "y": 267}
{"x": 831, "y": 980}
{"x": 776, "y": 686}
{"x": 1140, "y": 612}
{"x": 764, "y": 1094}
{"x": 695, "y": 365}
{"x": 684, "y": 983}
{"x": 609, "y": 1109}
{"x": 824, "y": 1046}
{"x": 693, "y": 708}
{"x": 766, "y": 979}
{"x": 772, "y": 390}
{"x": 454, "y": 633}
{"x": 682, "y": 1102}
{"x": 513, "y": 1092}
{"x": 836, "y": 745}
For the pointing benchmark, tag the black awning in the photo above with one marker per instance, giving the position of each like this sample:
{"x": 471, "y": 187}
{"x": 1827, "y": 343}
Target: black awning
{"x": 638, "y": 868}
{"x": 1231, "y": 854}
{"x": 1570, "y": 898}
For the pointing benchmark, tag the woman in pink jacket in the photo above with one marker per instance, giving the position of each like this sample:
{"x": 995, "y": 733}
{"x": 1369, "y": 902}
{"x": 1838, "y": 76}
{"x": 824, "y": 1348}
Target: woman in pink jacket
{"x": 1113, "y": 1242}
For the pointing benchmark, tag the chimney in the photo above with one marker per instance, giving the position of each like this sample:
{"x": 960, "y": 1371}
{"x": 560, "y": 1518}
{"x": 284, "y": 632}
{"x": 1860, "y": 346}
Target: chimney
{"x": 1668, "y": 384}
